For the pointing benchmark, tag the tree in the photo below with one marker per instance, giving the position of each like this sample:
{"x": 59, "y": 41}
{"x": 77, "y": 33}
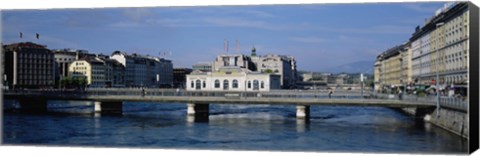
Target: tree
{"x": 268, "y": 71}
{"x": 77, "y": 82}
{"x": 82, "y": 82}
{"x": 66, "y": 82}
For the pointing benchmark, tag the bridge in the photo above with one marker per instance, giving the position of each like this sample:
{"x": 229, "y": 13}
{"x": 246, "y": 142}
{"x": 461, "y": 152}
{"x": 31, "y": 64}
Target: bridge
{"x": 110, "y": 100}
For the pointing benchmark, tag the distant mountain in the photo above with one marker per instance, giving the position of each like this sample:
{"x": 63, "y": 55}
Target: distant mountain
{"x": 354, "y": 67}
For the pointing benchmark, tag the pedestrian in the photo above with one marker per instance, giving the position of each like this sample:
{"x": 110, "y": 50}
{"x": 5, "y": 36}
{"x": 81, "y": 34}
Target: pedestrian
{"x": 330, "y": 94}
{"x": 400, "y": 94}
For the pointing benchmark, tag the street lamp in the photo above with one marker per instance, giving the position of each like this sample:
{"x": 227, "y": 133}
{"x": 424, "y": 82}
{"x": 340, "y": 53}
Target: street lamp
{"x": 362, "y": 80}
{"x": 436, "y": 71}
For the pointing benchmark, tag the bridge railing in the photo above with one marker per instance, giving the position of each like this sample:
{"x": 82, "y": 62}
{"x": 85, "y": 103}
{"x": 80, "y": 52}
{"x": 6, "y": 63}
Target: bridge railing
{"x": 178, "y": 92}
{"x": 272, "y": 93}
{"x": 444, "y": 101}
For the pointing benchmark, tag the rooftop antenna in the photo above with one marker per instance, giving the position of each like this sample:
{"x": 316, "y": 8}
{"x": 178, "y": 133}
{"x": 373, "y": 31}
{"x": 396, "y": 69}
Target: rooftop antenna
{"x": 237, "y": 46}
{"x": 225, "y": 46}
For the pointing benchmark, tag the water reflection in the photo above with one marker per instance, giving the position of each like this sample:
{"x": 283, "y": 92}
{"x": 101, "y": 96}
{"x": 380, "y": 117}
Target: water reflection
{"x": 302, "y": 125}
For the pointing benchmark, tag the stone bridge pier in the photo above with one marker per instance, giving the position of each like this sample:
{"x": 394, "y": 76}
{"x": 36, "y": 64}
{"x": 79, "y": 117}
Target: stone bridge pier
{"x": 198, "y": 112}
{"x": 108, "y": 107}
{"x": 303, "y": 112}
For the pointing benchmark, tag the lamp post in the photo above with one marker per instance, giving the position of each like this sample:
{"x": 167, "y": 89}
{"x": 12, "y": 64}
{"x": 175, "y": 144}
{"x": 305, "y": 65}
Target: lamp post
{"x": 158, "y": 80}
{"x": 361, "y": 83}
{"x": 362, "y": 80}
{"x": 436, "y": 71}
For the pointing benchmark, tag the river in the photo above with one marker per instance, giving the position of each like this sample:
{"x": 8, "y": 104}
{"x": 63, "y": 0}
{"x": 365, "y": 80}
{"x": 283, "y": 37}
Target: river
{"x": 230, "y": 127}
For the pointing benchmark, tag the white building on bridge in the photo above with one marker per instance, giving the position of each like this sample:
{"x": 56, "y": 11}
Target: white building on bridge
{"x": 232, "y": 79}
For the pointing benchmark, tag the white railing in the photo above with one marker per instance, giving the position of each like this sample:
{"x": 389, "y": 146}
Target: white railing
{"x": 444, "y": 101}
{"x": 447, "y": 102}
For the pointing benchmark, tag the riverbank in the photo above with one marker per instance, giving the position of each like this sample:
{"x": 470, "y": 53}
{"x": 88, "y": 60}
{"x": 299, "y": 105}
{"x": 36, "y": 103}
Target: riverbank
{"x": 448, "y": 119}
{"x": 451, "y": 116}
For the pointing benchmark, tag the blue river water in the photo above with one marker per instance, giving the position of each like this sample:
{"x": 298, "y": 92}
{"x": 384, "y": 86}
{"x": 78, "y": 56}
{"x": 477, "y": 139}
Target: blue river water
{"x": 230, "y": 127}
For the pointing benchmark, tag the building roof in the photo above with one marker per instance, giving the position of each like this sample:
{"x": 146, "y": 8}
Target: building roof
{"x": 141, "y": 58}
{"x": 446, "y": 14}
{"x": 92, "y": 61}
{"x": 392, "y": 52}
{"x": 26, "y": 46}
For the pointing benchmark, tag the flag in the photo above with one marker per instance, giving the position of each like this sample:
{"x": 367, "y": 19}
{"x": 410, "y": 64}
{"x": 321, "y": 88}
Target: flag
{"x": 38, "y": 36}
{"x": 21, "y": 35}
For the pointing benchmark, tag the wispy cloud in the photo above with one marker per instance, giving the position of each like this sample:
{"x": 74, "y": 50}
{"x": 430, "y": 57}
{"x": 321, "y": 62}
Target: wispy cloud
{"x": 378, "y": 29}
{"x": 310, "y": 39}
{"x": 255, "y": 13}
{"x": 227, "y": 11}
{"x": 50, "y": 40}
{"x": 421, "y": 7}
{"x": 198, "y": 17}
{"x": 238, "y": 22}
{"x": 138, "y": 14}
{"x": 87, "y": 18}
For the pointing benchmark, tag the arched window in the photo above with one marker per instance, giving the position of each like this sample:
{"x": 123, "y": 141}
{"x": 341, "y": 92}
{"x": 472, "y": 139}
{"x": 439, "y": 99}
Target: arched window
{"x": 217, "y": 83}
{"x": 255, "y": 84}
{"x": 225, "y": 84}
{"x": 249, "y": 84}
{"x": 234, "y": 83}
{"x": 262, "y": 85}
{"x": 197, "y": 85}
{"x": 204, "y": 84}
{"x": 192, "y": 85}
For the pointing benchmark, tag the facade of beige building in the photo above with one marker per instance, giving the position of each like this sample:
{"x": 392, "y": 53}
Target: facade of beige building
{"x": 91, "y": 69}
{"x": 441, "y": 46}
{"x": 406, "y": 65}
{"x": 391, "y": 70}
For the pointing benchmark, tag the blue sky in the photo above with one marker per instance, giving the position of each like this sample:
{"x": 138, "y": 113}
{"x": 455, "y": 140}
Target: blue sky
{"x": 320, "y": 36}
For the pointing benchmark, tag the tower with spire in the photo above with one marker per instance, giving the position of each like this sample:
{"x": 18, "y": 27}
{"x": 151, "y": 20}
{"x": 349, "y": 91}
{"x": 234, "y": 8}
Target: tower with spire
{"x": 254, "y": 51}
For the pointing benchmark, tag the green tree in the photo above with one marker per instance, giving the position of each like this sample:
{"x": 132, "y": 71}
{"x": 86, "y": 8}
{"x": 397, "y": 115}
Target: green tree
{"x": 66, "y": 82}
{"x": 82, "y": 82}
{"x": 77, "y": 82}
{"x": 268, "y": 71}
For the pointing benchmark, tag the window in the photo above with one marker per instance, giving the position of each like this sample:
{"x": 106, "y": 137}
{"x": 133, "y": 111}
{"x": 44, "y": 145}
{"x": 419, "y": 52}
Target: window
{"x": 262, "y": 85}
{"x": 191, "y": 84}
{"x": 249, "y": 84}
{"x": 234, "y": 83}
{"x": 225, "y": 84}
{"x": 204, "y": 84}
{"x": 255, "y": 84}
{"x": 197, "y": 85}
{"x": 217, "y": 83}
